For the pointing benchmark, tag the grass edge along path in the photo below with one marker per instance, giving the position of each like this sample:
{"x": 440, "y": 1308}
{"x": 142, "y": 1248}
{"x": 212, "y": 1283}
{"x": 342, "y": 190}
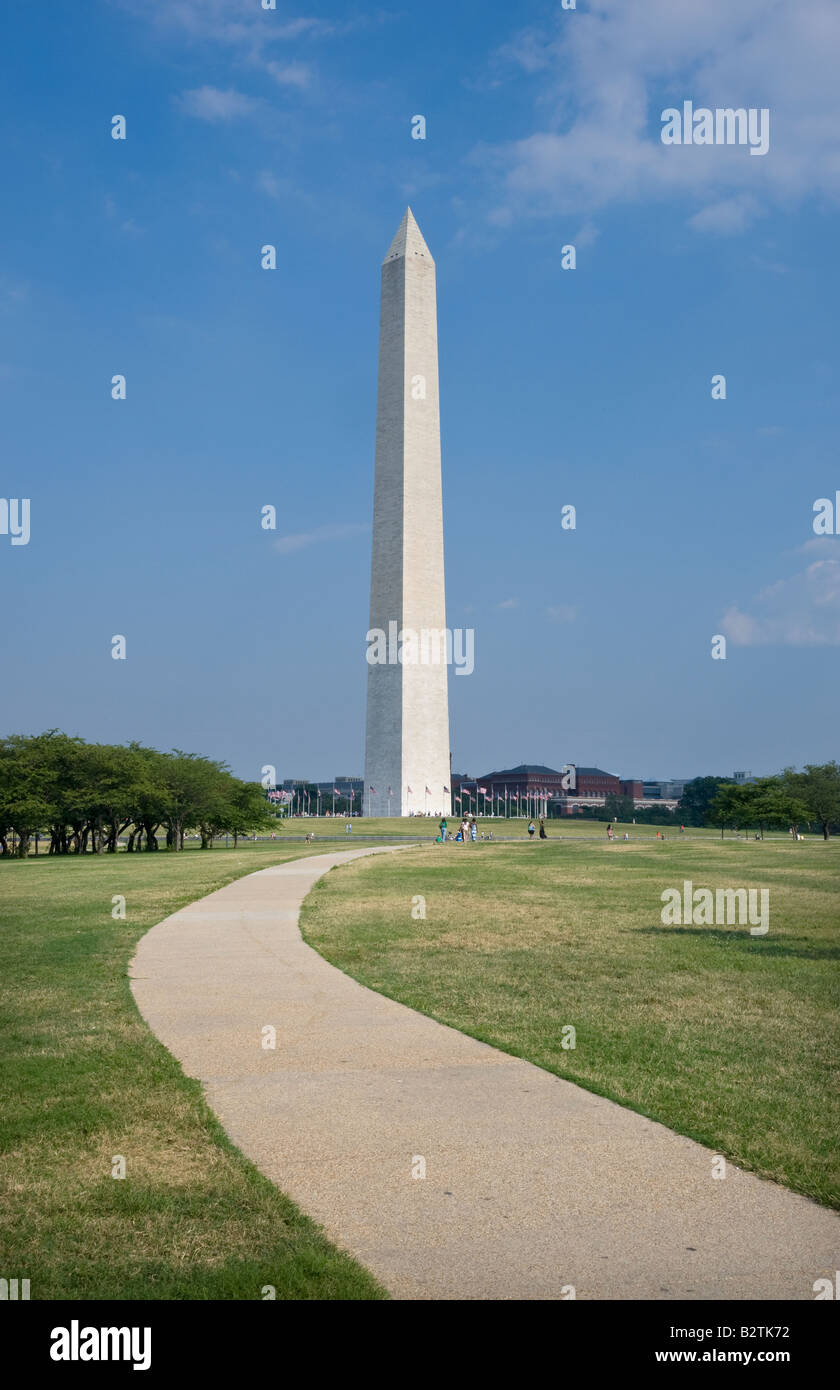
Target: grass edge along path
{"x": 723, "y": 1038}
{"x": 85, "y": 1081}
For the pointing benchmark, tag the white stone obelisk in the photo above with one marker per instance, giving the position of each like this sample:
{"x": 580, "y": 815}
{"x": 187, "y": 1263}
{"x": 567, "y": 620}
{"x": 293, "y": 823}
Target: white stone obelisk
{"x": 407, "y": 734}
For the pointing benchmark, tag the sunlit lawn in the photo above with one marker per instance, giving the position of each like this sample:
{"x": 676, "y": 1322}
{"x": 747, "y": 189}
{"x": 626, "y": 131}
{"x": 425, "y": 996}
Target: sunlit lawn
{"x": 723, "y": 1036}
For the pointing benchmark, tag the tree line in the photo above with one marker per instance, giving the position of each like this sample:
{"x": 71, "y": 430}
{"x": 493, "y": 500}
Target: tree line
{"x": 85, "y": 796}
{"x": 797, "y": 799}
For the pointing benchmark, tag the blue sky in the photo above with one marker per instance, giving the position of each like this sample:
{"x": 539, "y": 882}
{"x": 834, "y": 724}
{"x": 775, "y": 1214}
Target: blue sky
{"x": 591, "y": 387}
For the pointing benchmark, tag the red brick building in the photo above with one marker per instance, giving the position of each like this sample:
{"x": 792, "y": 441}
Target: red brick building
{"x": 540, "y": 790}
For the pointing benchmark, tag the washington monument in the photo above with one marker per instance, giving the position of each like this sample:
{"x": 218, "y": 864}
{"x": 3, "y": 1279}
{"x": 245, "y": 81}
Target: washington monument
{"x": 407, "y": 735}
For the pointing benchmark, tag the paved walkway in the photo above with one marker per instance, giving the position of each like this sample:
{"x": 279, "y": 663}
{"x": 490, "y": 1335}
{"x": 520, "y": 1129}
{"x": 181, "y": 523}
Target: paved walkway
{"x": 531, "y": 1185}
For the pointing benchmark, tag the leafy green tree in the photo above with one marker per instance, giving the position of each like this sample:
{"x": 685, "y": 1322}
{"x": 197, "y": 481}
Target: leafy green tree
{"x": 697, "y": 798}
{"x": 248, "y": 810}
{"x": 766, "y": 803}
{"x": 728, "y": 808}
{"x": 818, "y": 787}
{"x": 24, "y": 793}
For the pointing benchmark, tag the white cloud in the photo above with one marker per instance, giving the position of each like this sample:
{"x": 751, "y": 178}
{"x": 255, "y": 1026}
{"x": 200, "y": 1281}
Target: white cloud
{"x": 508, "y": 603}
{"x": 561, "y": 613}
{"x": 601, "y": 78}
{"x": 282, "y": 189}
{"x": 232, "y": 22}
{"x": 212, "y": 104}
{"x": 802, "y": 611}
{"x": 728, "y": 216}
{"x": 301, "y": 539}
{"x": 290, "y": 74}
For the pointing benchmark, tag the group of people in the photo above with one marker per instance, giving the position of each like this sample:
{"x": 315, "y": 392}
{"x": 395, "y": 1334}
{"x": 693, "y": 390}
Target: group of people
{"x": 532, "y": 830}
{"x": 467, "y": 830}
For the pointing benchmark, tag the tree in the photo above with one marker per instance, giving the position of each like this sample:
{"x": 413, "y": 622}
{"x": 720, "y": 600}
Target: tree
{"x": 247, "y": 810}
{"x": 618, "y": 807}
{"x": 24, "y": 792}
{"x": 818, "y": 787}
{"x": 697, "y": 798}
{"x": 773, "y": 804}
{"x": 728, "y": 807}
{"x": 765, "y": 803}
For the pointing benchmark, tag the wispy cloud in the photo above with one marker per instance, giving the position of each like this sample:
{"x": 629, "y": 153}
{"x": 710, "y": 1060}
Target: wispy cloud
{"x": 601, "y": 77}
{"x": 13, "y": 292}
{"x": 801, "y": 611}
{"x": 508, "y": 603}
{"x": 301, "y": 539}
{"x": 213, "y": 104}
{"x": 290, "y": 74}
{"x": 727, "y": 217}
{"x": 231, "y": 22}
{"x": 561, "y": 613}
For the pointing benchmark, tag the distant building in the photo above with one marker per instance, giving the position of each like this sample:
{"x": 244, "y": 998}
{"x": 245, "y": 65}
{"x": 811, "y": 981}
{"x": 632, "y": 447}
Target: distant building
{"x": 544, "y": 790}
{"x": 664, "y": 791}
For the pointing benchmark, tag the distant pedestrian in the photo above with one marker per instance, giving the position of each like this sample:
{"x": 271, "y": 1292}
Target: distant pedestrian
{"x": 348, "y": 829}
{"x": 543, "y": 835}
{"x": 473, "y": 830}
{"x": 531, "y": 829}
{"x": 443, "y": 828}
{"x": 609, "y": 832}
{"x": 626, "y": 836}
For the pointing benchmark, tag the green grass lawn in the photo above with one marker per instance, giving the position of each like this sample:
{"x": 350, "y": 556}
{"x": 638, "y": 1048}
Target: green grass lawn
{"x": 426, "y": 828}
{"x": 728, "y": 1038}
{"x": 84, "y": 1080}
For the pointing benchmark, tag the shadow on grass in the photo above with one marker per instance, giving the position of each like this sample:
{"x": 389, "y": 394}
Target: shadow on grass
{"x": 739, "y": 937}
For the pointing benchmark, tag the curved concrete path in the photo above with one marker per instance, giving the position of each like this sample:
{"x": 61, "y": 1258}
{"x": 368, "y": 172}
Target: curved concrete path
{"x": 532, "y": 1184}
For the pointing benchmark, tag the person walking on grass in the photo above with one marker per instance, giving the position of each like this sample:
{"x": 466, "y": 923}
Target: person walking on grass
{"x": 543, "y": 835}
{"x": 473, "y": 830}
{"x": 443, "y": 828}
{"x": 531, "y": 828}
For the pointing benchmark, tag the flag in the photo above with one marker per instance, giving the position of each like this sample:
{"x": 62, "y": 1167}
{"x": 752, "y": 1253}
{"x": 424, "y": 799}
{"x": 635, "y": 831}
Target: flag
{"x": 390, "y": 793}
{"x": 275, "y": 796}
{"x": 446, "y": 789}
{"x": 371, "y": 789}
{"x": 336, "y": 792}
{"x": 456, "y": 798}
{"x": 515, "y": 796}
{"x": 483, "y": 789}
{"x": 428, "y": 791}
{"x": 410, "y": 792}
